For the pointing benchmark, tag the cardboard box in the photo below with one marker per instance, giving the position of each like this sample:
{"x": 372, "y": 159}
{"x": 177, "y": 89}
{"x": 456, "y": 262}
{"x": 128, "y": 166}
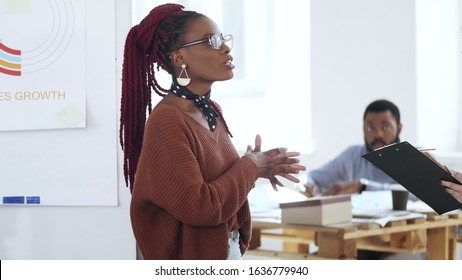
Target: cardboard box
{"x": 322, "y": 210}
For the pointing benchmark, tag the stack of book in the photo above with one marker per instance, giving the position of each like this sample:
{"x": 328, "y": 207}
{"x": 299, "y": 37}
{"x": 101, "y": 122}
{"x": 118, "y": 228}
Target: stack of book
{"x": 322, "y": 210}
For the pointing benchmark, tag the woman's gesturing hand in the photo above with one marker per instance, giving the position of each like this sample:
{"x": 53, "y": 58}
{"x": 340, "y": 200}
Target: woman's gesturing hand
{"x": 275, "y": 162}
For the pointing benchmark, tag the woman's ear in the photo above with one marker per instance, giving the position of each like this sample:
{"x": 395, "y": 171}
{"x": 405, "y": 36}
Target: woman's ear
{"x": 177, "y": 59}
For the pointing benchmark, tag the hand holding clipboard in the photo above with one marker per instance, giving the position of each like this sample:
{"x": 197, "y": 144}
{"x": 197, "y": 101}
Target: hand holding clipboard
{"x": 418, "y": 172}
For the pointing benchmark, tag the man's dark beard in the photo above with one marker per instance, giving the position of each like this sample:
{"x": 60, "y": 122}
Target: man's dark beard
{"x": 369, "y": 148}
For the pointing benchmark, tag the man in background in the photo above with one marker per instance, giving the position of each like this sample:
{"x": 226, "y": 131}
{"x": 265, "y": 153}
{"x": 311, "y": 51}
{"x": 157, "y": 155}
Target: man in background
{"x": 350, "y": 173}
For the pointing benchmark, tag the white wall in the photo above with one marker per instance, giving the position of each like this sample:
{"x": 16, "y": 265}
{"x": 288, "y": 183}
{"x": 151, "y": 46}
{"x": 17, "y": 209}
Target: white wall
{"x": 438, "y": 61}
{"x": 362, "y": 50}
{"x": 79, "y": 232}
{"x": 404, "y": 50}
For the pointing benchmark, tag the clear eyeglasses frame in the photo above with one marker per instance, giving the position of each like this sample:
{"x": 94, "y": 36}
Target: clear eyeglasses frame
{"x": 386, "y": 127}
{"x": 215, "y": 41}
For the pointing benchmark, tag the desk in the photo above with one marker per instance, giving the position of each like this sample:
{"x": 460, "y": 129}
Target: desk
{"x": 434, "y": 235}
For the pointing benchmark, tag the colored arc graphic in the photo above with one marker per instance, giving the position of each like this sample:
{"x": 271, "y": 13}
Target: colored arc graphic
{"x": 10, "y": 61}
{"x": 43, "y": 51}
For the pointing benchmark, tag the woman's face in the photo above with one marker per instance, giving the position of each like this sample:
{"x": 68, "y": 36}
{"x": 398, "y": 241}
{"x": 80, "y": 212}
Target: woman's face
{"x": 204, "y": 64}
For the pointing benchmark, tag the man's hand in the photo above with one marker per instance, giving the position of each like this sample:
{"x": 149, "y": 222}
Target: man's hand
{"x": 310, "y": 190}
{"x": 343, "y": 188}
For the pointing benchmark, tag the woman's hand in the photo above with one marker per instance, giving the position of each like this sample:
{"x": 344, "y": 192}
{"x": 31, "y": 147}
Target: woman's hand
{"x": 452, "y": 188}
{"x": 275, "y": 162}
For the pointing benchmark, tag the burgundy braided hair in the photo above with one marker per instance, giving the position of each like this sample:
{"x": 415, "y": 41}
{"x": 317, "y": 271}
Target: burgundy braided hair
{"x": 147, "y": 44}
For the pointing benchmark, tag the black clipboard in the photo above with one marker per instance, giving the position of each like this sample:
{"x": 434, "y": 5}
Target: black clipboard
{"x": 417, "y": 173}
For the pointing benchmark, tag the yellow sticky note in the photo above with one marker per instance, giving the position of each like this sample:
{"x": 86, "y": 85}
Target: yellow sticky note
{"x": 70, "y": 116}
{"x": 17, "y": 6}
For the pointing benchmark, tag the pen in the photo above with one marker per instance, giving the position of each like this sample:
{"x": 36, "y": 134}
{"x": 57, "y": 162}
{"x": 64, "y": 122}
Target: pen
{"x": 426, "y": 149}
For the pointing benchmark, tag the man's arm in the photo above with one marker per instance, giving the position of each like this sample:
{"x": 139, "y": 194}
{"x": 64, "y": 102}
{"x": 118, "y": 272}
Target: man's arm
{"x": 344, "y": 188}
{"x": 358, "y": 186}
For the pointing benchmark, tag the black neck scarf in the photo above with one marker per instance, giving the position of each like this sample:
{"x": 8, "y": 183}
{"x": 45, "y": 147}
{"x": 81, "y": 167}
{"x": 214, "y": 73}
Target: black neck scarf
{"x": 203, "y": 102}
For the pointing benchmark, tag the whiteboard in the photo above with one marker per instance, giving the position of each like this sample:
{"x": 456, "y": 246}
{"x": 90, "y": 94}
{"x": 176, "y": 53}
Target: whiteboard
{"x": 76, "y": 166}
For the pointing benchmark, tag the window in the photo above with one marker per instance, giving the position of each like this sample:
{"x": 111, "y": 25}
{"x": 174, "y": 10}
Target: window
{"x": 270, "y": 92}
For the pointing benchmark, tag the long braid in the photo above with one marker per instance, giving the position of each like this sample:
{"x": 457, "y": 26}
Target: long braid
{"x": 147, "y": 44}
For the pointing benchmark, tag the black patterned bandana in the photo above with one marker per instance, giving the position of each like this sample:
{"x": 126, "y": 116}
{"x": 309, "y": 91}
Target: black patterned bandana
{"x": 203, "y": 102}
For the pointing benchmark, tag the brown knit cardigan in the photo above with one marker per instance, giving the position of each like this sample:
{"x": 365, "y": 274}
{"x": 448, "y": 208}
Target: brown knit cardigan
{"x": 190, "y": 189}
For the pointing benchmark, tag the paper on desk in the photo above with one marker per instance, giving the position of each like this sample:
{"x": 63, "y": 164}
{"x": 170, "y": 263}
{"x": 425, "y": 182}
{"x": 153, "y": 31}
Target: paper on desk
{"x": 382, "y": 217}
{"x": 375, "y": 207}
{"x": 372, "y": 200}
{"x": 419, "y": 206}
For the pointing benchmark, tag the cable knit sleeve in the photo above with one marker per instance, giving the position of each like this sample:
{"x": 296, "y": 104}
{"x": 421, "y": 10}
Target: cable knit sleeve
{"x": 193, "y": 174}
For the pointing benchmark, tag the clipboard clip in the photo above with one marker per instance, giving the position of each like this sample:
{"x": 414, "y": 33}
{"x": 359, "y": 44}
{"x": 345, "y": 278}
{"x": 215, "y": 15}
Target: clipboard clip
{"x": 426, "y": 149}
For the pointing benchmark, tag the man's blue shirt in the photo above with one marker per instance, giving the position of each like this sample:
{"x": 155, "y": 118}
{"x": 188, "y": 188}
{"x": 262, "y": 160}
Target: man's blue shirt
{"x": 350, "y": 166}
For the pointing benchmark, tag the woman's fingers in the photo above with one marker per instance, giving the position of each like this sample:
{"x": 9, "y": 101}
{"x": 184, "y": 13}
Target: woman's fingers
{"x": 293, "y": 168}
{"x": 257, "y": 143}
{"x": 457, "y": 195}
{"x": 289, "y": 177}
{"x": 284, "y": 154}
{"x": 451, "y": 185}
{"x": 275, "y": 182}
{"x": 453, "y": 189}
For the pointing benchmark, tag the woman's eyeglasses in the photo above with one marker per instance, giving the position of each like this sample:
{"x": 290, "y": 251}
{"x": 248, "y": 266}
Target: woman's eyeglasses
{"x": 215, "y": 41}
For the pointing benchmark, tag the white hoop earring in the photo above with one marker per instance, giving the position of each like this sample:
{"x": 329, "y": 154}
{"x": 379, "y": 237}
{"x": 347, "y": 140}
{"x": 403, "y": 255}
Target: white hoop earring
{"x": 183, "y": 81}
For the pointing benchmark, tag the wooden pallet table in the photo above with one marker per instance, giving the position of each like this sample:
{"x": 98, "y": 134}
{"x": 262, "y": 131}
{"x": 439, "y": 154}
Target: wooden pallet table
{"x": 435, "y": 235}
